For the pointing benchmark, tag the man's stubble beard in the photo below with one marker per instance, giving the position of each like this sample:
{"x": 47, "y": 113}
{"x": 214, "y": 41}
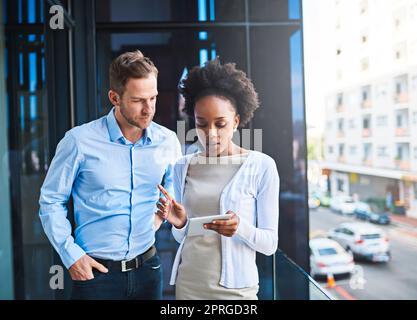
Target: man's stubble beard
{"x": 132, "y": 121}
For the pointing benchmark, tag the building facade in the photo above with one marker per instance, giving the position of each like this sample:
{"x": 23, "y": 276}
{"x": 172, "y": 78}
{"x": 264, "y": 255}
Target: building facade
{"x": 371, "y": 110}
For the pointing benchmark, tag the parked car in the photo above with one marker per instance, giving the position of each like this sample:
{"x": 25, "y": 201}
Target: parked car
{"x": 327, "y": 256}
{"x": 343, "y": 204}
{"x": 313, "y": 202}
{"x": 363, "y": 240}
{"x": 380, "y": 218}
{"x": 371, "y": 213}
{"x": 324, "y": 201}
{"x": 322, "y": 197}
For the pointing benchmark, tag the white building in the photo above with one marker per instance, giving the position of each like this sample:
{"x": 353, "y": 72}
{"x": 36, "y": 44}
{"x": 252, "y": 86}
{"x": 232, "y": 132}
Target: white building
{"x": 370, "y": 135}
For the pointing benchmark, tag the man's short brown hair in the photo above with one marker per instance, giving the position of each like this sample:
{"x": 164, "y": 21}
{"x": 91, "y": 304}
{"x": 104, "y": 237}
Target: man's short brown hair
{"x": 129, "y": 65}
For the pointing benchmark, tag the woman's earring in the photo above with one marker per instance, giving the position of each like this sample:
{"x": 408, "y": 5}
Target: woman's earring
{"x": 235, "y": 129}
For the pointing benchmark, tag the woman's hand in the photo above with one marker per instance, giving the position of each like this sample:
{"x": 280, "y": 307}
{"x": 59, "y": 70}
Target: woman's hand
{"x": 171, "y": 210}
{"x": 225, "y": 227}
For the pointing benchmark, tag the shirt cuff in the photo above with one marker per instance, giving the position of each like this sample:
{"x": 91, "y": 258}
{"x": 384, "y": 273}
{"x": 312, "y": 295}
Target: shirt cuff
{"x": 181, "y": 230}
{"x": 71, "y": 254}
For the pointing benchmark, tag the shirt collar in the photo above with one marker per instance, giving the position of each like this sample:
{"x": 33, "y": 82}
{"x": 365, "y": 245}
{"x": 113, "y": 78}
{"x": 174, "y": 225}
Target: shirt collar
{"x": 116, "y": 134}
{"x": 113, "y": 127}
{"x": 148, "y": 135}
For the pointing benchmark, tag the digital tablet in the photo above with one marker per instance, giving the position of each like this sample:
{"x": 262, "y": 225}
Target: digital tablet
{"x": 196, "y": 225}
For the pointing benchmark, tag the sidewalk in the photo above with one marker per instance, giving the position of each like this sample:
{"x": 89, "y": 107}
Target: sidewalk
{"x": 404, "y": 221}
{"x": 406, "y": 225}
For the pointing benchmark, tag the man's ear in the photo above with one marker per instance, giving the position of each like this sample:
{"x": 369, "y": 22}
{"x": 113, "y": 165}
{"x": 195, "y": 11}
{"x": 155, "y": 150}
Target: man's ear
{"x": 114, "y": 97}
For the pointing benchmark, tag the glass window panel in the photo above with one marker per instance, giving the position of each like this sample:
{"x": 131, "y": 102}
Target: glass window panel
{"x": 24, "y": 11}
{"x": 274, "y": 10}
{"x": 29, "y": 155}
{"x": 170, "y": 10}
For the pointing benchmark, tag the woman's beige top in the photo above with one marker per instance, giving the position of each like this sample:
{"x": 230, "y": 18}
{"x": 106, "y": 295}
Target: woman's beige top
{"x": 200, "y": 266}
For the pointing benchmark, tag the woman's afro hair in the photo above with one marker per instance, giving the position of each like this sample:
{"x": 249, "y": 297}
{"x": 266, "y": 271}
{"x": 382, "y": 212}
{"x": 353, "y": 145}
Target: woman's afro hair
{"x": 222, "y": 80}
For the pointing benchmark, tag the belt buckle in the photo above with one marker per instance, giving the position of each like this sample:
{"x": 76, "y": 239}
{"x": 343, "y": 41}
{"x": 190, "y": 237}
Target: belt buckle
{"x": 124, "y": 267}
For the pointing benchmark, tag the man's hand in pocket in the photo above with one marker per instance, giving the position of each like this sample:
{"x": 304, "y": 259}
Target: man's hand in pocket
{"x": 82, "y": 269}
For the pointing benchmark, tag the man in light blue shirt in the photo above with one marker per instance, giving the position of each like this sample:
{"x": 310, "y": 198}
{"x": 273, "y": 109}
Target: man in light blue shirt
{"x": 111, "y": 167}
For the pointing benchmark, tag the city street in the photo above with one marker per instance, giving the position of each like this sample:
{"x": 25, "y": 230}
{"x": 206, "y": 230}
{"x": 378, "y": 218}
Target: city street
{"x": 393, "y": 280}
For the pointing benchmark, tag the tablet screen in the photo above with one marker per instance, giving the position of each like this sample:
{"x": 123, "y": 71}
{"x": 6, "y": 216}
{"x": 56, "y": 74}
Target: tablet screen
{"x": 196, "y": 225}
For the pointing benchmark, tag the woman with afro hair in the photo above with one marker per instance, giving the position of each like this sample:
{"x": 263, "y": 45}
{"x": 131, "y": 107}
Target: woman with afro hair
{"x": 222, "y": 178}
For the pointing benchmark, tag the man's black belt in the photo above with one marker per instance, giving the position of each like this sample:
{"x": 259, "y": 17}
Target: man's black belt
{"x": 127, "y": 265}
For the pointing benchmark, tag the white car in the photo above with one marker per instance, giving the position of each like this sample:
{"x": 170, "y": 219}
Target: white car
{"x": 313, "y": 203}
{"x": 343, "y": 204}
{"x": 363, "y": 240}
{"x": 327, "y": 256}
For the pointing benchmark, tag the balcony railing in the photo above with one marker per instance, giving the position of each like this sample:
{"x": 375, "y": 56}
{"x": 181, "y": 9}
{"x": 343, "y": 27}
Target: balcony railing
{"x": 401, "y": 98}
{"x": 401, "y": 132}
{"x": 366, "y": 133}
{"x": 366, "y": 104}
{"x": 293, "y": 283}
{"x": 341, "y": 159}
{"x": 340, "y": 108}
{"x": 367, "y": 162}
{"x": 402, "y": 164}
